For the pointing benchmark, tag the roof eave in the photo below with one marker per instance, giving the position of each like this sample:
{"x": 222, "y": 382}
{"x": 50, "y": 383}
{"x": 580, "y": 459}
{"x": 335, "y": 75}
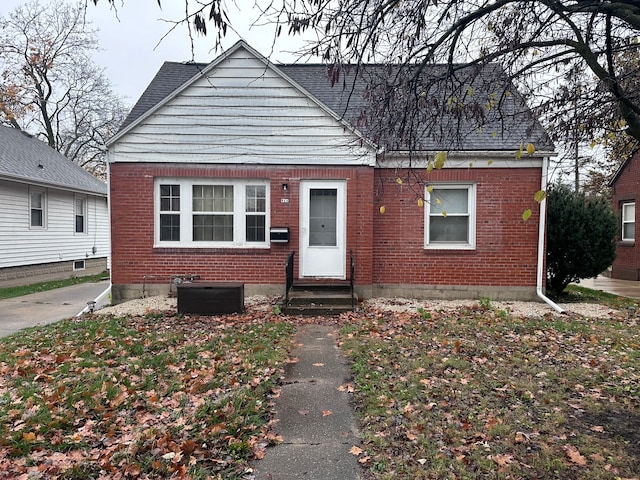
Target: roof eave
{"x": 57, "y": 186}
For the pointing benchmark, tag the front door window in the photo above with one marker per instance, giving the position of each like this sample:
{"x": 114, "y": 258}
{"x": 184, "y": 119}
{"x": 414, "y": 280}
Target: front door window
{"x": 322, "y": 217}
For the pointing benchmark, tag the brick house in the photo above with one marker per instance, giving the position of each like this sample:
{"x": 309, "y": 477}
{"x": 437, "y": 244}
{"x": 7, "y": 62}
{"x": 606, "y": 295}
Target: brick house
{"x": 222, "y": 170}
{"x": 625, "y": 186}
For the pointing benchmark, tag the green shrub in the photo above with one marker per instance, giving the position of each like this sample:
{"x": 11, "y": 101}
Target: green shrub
{"x": 581, "y": 235}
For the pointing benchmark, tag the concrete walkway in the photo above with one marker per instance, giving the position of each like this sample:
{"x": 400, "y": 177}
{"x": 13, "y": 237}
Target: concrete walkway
{"x": 624, "y": 288}
{"x": 50, "y": 306}
{"x": 315, "y": 419}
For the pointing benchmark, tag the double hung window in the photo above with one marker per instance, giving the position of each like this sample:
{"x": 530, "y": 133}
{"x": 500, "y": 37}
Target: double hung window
{"x": 37, "y": 208}
{"x": 80, "y": 210}
{"x": 450, "y": 217}
{"x": 628, "y": 221}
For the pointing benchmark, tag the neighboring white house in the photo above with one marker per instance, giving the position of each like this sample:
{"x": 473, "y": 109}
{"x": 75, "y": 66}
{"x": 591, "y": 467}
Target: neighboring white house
{"x": 54, "y": 216}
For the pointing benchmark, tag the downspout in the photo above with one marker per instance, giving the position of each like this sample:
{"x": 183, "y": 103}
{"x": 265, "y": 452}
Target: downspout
{"x": 541, "y": 238}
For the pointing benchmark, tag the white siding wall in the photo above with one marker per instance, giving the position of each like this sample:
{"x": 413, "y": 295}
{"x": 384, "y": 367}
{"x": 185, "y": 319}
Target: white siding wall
{"x": 242, "y": 112}
{"x": 21, "y": 245}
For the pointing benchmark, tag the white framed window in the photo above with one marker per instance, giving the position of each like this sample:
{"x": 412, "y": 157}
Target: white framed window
{"x": 450, "y": 217}
{"x": 37, "y": 208}
{"x": 211, "y": 212}
{"x": 78, "y": 265}
{"x": 628, "y": 221}
{"x": 80, "y": 213}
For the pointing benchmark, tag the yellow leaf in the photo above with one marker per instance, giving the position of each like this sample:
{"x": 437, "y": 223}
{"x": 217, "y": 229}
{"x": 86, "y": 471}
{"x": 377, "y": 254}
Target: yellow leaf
{"x": 470, "y": 91}
{"x": 399, "y": 181}
{"x": 383, "y": 209}
{"x": 28, "y": 436}
{"x": 438, "y": 201}
{"x": 531, "y": 149}
{"x": 526, "y": 214}
{"x": 420, "y": 203}
{"x": 489, "y": 162}
{"x": 429, "y": 189}
{"x": 439, "y": 159}
{"x": 518, "y": 154}
{"x": 429, "y": 167}
{"x": 540, "y": 196}
{"x": 444, "y": 213}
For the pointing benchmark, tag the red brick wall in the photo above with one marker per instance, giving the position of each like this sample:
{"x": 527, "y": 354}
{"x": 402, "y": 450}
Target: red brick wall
{"x": 388, "y": 248}
{"x": 626, "y": 266}
{"x": 506, "y": 245}
{"x": 132, "y": 225}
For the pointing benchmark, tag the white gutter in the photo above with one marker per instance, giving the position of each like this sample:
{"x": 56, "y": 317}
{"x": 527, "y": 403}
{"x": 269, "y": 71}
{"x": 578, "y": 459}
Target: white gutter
{"x": 541, "y": 238}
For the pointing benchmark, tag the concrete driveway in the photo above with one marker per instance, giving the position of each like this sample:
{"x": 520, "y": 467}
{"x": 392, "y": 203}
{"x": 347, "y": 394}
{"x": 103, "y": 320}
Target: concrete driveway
{"x": 625, "y": 288}
{"x": 47, "y": 307}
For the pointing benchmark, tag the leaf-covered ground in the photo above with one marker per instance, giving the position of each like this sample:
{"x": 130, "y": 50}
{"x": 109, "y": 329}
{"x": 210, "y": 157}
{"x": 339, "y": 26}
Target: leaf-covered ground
{"x": 480, "y": 394}
{"x": 467, "y": 393}
{"x": 139, "y": 397}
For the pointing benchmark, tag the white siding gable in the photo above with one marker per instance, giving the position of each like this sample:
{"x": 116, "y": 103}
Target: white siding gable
{"x": 241, "y": 111}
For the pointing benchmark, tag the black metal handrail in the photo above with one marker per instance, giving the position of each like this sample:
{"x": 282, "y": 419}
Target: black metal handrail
{"x": 352, "y": 270}
{"x": 289, "y": 273}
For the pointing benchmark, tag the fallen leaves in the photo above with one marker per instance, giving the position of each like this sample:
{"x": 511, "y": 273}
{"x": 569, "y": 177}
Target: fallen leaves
{"x": 152, "y": 397}
{"x": 443, "y": 394}
{"x": 354, "y": 450}
{"x": 574, "y": 455}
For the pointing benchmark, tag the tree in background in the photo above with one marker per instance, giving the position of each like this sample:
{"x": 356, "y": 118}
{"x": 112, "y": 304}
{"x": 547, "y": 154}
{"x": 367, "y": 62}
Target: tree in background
{"x": 581, "y": 232}
{"x": 569, "y": 57}
{"x": 50, "y": 86}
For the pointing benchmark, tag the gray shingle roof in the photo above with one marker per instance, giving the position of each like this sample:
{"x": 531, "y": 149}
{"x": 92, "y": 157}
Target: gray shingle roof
{"x": 501, "y": 129}
{"x": 24, "y": 158}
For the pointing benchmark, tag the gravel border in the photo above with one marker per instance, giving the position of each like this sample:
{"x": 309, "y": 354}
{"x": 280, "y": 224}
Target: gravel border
{"x": 261, "y": 303}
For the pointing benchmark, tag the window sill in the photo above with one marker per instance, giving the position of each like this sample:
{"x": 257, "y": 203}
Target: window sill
{"x": 449, "y": 249}
{"x": 627, "y": 243}
{"x": 262, "y": 250}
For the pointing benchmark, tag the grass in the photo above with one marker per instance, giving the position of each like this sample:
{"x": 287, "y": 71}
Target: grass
{"x": 18, "y": 291}
{"x": 578, "y": 294}
{"x": 473, "y": 394}
{"x": 465, "y": 394}
{"x": 153, "y": 397}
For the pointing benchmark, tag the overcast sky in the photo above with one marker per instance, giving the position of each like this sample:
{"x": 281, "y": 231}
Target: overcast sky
{"x": 133, "y": 48}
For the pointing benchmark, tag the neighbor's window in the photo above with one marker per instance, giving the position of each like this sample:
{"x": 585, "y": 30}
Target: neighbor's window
{"x": 628, "y": 222}
{"x": 81, "y": 214}
{"x": 198, "y": 212}
{"x": 450, "y": 217}
{"x": 37, "y": 208}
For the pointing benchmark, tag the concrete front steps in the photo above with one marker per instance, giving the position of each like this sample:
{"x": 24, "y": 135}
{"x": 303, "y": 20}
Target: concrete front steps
{"x": 320, "y": 299}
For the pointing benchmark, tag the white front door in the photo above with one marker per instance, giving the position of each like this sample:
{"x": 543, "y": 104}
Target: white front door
{"x": 323, "y": 219}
